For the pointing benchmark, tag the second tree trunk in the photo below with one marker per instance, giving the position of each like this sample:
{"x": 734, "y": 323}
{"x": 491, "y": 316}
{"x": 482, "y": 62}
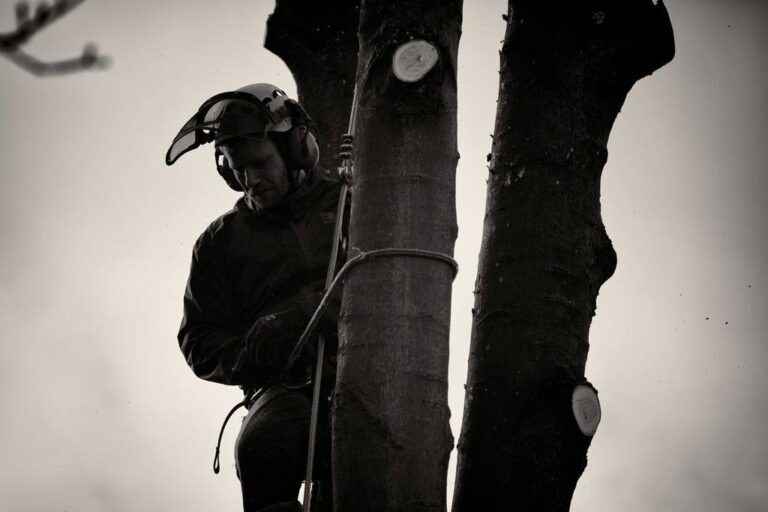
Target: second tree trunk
{"x": 566, "y": 68}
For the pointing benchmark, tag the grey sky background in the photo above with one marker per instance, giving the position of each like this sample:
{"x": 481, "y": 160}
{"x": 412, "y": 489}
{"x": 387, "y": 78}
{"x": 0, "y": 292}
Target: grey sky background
{"x": 99, "y": 410}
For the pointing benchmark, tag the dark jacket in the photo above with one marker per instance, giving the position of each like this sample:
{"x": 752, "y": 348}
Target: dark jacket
{"x": 247, "y": 265}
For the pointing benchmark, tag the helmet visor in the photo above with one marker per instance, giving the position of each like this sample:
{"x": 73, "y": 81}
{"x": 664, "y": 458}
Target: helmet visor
{"x": 222, "y": 117}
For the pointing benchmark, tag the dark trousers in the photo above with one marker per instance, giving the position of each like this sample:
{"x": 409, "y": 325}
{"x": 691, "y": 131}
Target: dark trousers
{"x": 271, "y": 450}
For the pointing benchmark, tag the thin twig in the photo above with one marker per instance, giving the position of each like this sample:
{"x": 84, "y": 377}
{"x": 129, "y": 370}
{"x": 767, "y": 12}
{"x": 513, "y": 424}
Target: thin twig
{"x": 27, "y": 26}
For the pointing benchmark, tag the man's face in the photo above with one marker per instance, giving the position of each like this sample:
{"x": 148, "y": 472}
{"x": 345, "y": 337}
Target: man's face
{"x": 259, "y": 169}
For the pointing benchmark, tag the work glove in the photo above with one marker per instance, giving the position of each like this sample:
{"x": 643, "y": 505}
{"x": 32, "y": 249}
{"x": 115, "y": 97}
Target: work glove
{"x": 272, "y": 337}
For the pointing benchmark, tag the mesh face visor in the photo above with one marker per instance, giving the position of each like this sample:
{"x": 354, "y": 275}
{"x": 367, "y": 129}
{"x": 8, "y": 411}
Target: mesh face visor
{"x": 226, "y": 115}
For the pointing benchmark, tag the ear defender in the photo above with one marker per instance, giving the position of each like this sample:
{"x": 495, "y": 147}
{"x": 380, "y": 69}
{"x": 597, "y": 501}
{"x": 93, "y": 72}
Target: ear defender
{"x": 301, "y": 143}
{"x": 226, "y": 172}
{"x": 302, "y": 150}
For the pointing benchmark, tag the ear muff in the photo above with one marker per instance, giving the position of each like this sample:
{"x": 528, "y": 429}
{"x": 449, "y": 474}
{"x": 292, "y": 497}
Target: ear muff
{"x": 226, "y": 172}
{"x": 301, "y": 149}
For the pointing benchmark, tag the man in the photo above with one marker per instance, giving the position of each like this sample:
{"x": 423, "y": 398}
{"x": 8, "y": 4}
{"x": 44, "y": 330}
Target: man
{"x": 258, "y": 272}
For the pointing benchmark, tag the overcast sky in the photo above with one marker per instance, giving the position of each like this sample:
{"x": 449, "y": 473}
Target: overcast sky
{"x": 99, "y": 410}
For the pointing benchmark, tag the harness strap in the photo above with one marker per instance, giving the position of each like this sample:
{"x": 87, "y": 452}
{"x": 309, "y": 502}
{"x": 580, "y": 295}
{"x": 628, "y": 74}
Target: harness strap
{"x": 249, "y": 397}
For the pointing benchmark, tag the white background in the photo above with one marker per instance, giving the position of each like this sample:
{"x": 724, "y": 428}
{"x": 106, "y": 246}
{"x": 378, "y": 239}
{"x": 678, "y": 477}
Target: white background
{"x": 99, "y": 410}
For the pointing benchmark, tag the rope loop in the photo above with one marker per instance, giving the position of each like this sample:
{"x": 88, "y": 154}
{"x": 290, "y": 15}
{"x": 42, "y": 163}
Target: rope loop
{"x": 351, "y": 263}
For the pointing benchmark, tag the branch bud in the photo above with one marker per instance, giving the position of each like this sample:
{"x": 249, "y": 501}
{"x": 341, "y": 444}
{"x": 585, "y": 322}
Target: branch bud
{"x": 22, "y": 13}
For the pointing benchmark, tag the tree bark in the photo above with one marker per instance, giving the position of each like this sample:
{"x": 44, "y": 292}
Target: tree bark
{"x": 318, "y": 42}
{"x": 566, "y": 68}
{"x": 391, "y": 436}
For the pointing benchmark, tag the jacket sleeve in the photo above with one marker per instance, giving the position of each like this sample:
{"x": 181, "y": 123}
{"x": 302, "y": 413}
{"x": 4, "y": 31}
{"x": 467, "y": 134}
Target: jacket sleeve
{"x": 209, "y": 337}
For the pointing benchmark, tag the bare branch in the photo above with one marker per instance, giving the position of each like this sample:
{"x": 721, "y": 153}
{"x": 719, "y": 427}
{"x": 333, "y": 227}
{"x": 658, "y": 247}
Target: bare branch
{"x": 28, "y": 25}
{"x": 88, "y": 60}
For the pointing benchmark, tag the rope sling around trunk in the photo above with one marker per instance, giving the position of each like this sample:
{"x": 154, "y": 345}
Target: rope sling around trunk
{"x": 351, "y": 263}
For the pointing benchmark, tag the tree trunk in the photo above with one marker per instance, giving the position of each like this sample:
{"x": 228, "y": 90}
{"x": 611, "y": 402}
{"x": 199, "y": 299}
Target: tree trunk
{"x": 318, "y": 42}
{"x": 391, "y": 436}
{"x": 566, "y": 68}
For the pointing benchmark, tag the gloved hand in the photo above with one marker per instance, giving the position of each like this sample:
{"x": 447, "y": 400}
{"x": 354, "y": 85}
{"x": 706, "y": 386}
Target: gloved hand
{"x": 272, "y": 337}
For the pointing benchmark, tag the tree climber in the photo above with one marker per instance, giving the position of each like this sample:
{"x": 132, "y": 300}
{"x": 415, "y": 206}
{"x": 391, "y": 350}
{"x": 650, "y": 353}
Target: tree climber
{"x": 257, "y": 275}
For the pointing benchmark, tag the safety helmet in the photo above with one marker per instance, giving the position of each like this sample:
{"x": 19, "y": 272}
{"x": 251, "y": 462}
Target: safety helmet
{"x": 250, "y": 112}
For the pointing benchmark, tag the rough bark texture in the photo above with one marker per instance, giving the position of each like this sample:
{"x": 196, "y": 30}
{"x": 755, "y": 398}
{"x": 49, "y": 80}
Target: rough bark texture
{"x": 566, "y": 68}
{"x": 391, "y": 436}
{"x": 318, "y": 42}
